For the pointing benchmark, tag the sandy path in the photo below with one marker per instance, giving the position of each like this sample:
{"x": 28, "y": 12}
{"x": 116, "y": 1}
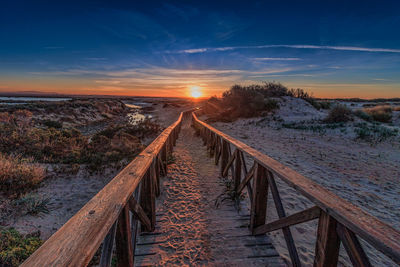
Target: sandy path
{"x": 190, "y": 230}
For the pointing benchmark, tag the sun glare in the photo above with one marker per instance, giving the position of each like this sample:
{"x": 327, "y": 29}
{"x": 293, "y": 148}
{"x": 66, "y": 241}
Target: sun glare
{"x": 195, "y": 91}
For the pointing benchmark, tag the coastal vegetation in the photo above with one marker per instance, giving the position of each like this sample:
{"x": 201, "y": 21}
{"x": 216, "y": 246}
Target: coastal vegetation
{"x": 15, "y": 247}
{"x": 41, "y": 141}
{"x": 254, "y": 100}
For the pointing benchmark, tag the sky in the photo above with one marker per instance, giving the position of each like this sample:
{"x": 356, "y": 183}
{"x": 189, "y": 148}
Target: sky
{"x": 167, "y": 48}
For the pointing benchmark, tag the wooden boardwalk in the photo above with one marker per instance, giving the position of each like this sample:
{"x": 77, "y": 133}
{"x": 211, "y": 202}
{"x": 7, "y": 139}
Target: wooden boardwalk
{"x": 190, "y": 228}
{"x": 185, "y": 227}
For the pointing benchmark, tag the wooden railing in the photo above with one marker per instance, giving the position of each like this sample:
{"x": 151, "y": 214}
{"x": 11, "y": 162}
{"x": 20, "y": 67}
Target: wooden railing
{"x": 339, "y": 220}
{"x": 113, "y": 214}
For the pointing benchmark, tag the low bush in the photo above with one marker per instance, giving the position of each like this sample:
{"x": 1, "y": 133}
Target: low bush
{"x": 52, "y": 124}
{"x": 15, "y": 248}
{"x": 18, "y": 176}
{"x": 339, "y": 113}
{"x": 381, "y": 113}
{"x": 363, "y": 115}
{"x": 32, "y": 204}
{"x": 318, "y": 104}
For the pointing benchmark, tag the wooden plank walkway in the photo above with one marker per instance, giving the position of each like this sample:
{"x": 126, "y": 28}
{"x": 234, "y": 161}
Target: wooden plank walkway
{"x": 190, "y": 229}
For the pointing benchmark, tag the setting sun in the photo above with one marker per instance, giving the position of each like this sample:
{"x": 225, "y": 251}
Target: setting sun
{"x": 195, "y": 91}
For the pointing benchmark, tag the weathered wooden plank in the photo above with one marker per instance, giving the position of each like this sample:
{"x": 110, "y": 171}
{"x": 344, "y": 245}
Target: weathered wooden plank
{"x": 107, "y": 249}
{"x": 246, "y": 179}
{"x": 299, "y": 217}
{"x": 123, "y": 240}
{"x": 328, "y": 243}
{"x": 139, "y": 213}
{"x": 230, "y": 162}
{"x": 352, "y": 246}
{"x": 258, "y": 210}
{"x": 379, "y": 234}
{"x": 281, "y": 213}
{"x": 147, "y": 200}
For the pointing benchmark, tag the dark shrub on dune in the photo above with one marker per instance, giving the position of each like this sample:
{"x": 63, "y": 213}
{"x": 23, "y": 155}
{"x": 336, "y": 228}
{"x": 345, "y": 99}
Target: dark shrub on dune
{"x": 251, "y": 101}
{"x": 245, "y": 101}
{"x": 339, "y": 113}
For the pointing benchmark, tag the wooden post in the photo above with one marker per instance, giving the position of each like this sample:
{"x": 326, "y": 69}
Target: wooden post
{"x": 158, "y": 169}
{"x": 258, "y": 211}
{"x": 328, "y": 243}
{"x": 249, "y": 189}
{"x": 107, "y": 249}
{"x": 224, "y": 155}
{"x": 154, "y": 177}
{"x": 164, "y": 158}
{"x": 213, "y": 144}
{"x": 281, "y": 214}
{"x": 147, "y": 200}
{"x": 123, "y": 241}
{"x": 134, "y": 224}
{"x": 238, "y": 170}
{"x": 218, "y": 148}
{"x": 353, "y": 247}
{"x": 174, "y": 136}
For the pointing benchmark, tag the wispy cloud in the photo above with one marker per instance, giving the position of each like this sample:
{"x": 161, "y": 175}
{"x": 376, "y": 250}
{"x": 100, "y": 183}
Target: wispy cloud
{"x": 342, "y": 48}
{"x": 96, "y": 58}
{"x": 53, "y": 47}
{"x": 164, "y": 79}
{"x": 276, "y": 58}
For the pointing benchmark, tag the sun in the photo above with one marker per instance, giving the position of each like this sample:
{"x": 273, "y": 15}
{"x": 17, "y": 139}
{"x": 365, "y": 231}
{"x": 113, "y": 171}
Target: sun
{"x": 195, "y": 91}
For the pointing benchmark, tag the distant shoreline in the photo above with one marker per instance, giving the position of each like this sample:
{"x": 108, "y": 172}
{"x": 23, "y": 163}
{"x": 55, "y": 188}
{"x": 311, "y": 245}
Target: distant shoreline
{"x": 57, "y": 95}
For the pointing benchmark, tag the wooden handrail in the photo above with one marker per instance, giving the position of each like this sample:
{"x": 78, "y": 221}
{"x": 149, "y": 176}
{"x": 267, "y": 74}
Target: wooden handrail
{"x": 75, "y": 243}
{"x": 379, "y": 234}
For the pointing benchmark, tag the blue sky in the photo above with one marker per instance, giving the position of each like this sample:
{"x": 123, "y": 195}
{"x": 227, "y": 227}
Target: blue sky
{"x": 331, "y": 48}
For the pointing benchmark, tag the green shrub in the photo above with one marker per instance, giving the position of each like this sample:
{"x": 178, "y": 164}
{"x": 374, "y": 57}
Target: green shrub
{"x": 318, "y": 104}
{"x": 18, "y": 176}
{"x": 363, "y": 115}
{"x": 374, "y": 133}
{"x": 271, "y": 104}
{"x": 32, "y": 204}
{"x": 339, "y": 113}
{"x": 16, "y": 248}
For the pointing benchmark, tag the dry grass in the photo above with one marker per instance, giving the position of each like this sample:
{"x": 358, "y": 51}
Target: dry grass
{"x": 18, "y": 176}
{"x": 18, "y": 134}
{"x": 381, "y": 113}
